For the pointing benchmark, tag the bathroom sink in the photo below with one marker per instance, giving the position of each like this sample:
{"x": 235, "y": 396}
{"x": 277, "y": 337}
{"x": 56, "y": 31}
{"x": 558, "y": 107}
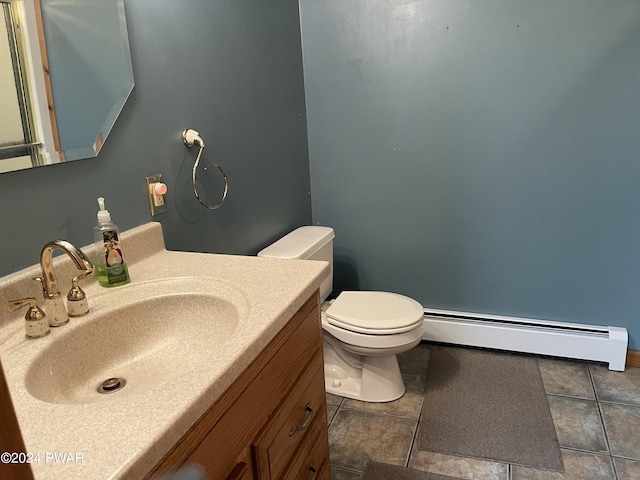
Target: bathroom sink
{"x": 150, "y": 334}
{"x": 181, "y": 333}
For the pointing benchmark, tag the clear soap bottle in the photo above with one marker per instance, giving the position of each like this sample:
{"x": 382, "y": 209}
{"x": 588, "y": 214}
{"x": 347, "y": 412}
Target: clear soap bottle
{"x": 111, "y": 267}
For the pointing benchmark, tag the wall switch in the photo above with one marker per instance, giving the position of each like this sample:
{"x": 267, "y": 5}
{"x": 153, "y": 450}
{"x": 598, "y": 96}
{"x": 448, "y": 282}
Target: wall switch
{"x": 156, "y": 190}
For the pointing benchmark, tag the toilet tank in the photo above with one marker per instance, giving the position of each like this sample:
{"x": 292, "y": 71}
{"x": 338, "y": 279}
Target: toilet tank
{"x": 306, "y": 243}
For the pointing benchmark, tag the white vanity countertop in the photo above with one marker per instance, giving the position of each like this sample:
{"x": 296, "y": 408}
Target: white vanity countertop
{"x": 125, "y": 437}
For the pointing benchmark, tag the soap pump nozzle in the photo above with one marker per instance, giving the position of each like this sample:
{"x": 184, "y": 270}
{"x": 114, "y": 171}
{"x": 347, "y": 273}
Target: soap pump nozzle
{"x": 103, "y": 214}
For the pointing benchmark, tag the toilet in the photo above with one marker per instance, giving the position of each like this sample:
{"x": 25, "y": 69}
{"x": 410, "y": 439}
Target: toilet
{"x": 362, "y": 331}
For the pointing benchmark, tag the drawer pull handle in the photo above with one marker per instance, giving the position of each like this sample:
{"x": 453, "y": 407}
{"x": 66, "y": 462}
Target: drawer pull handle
{"x": 314, "y": 471}
{"x": 238, "y": 472}
{"x": 307, "y": 420}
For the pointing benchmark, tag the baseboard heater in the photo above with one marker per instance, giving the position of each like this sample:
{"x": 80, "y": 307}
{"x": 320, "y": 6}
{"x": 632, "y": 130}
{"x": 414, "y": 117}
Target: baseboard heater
{"x": 568, "y": 340}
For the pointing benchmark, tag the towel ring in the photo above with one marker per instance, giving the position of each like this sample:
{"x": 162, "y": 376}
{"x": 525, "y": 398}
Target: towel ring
{"x": 190, "y": 138}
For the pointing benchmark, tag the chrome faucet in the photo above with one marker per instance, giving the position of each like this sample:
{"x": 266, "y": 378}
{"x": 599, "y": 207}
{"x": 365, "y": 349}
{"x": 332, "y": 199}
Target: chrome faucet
{"x": 54, "y": 306}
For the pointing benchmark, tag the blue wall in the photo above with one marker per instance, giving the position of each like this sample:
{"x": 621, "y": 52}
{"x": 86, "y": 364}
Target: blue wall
{"x": 230, "y": 69}
{"x": 477, "y": 156}
{"x": 480, "y": 156}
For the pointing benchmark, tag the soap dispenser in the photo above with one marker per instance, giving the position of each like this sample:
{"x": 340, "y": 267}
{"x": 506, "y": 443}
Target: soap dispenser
{"x": 111, "y": 266}
{"x": 36, "y": 323}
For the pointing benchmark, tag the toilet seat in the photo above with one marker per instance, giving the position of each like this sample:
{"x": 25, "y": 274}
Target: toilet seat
{"x": 384, "y": 343}
{"x": 374, "y": 313}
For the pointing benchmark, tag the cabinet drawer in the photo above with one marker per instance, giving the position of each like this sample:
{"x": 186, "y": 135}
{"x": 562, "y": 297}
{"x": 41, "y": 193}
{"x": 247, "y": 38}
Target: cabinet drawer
{"x": 291, "y": 426}
{"x": 245, "y": 414}
{"x": 312, "y": 460}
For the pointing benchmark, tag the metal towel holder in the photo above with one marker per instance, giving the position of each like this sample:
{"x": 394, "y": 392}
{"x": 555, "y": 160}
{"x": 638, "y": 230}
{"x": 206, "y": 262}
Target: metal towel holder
{"x": 190, "y": 138}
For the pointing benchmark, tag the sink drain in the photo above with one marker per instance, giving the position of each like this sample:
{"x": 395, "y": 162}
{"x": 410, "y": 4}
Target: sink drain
{"x": 111, "y": 385}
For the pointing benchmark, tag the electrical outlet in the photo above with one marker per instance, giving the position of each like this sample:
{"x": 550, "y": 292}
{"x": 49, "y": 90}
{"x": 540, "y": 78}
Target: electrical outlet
{"x": 156, "y": 190}
{"x": 158, "y": 198}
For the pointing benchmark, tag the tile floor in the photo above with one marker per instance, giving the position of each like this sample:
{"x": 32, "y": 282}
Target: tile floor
{"x": 596, "y": 414}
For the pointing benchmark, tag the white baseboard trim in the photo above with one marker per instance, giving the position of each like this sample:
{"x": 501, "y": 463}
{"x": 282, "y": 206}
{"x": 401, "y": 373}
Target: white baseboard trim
{"x": 568, "y": 340}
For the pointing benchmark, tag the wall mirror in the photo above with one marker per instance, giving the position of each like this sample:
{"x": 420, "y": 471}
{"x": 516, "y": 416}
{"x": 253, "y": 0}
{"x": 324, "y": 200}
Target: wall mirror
{"x": 65, "y": 75}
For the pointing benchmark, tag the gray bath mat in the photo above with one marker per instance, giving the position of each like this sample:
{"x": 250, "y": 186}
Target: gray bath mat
{"x": 488, "y": 405}
{"x": 384, "y": 471}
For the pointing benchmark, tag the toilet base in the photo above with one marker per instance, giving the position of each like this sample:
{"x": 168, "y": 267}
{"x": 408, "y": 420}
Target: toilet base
{"x": 361, "y": 377}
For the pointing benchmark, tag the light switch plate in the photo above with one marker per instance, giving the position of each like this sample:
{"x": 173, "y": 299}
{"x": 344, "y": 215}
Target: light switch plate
{"x": 156, "y": 202}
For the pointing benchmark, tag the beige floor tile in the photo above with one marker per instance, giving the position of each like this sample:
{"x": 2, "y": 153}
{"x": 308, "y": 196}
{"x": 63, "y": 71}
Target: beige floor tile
{"x": 577, "y": 466}
{"x": 459, "y": 467}
{"x": 416, "y": 360}
{"x": 618, "y": 387}
{"x": 578, "y": 424}
{"x": 627, "y": 469}
{"x": 562, "y": 377}
{"x": 622, "y": 424}
{"x": 355, "y": 437}
{"x": 407, "y": 406}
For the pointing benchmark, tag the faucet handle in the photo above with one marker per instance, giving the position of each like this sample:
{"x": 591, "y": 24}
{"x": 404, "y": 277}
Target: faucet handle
{"x": 77, "y": 303}
{"x": 36, "y": 323}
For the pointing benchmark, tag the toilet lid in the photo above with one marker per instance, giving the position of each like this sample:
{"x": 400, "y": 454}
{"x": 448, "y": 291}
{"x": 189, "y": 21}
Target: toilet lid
{"x": 372, "y": 312}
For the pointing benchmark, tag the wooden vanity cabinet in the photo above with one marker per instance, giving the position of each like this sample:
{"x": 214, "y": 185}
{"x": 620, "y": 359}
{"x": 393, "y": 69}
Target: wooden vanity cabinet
{"x": 270, "y": 424}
